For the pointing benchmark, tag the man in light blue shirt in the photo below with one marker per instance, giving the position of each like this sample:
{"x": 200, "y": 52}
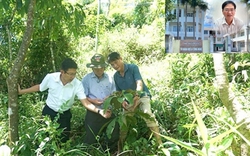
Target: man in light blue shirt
{"x": 98, "y": 86}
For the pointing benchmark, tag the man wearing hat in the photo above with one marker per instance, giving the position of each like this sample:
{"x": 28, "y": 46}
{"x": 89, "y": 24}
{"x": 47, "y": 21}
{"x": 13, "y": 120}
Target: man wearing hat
{"x": 98, "y": 86}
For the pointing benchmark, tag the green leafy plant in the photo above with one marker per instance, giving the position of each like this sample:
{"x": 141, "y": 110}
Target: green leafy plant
{"x": 210, "y": 145}
{"x": 114, "y": 102}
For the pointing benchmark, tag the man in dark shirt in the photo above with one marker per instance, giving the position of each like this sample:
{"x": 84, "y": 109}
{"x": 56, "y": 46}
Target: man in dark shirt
{"x": 128, "y": 76}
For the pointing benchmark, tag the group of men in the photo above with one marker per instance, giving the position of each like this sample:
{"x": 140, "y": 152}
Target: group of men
{"x": 94, "y": 88}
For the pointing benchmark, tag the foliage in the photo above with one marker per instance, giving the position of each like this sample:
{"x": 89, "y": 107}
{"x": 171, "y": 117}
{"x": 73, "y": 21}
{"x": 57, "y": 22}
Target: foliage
{"x": 184, "y": 80}
{"x": 4, "y": 73}
{"x": 168, "y": 10}
{"x": 188, "y": 79}
{"x": 211, "y": 145}
{"x": 114, "y": 103}
{"x": 143, "y": 45}
{"x": 3, "y": 119}
{"x": 142, "y": 13}
{"x": 39, "y": 61}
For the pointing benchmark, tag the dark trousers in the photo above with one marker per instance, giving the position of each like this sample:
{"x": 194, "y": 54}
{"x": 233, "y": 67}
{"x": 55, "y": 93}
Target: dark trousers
{"x": 63, "y": 121}
{"x": 94, "y": 124}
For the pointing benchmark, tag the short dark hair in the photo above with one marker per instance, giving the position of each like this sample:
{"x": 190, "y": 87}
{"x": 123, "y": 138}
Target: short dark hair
{"x": 68, "y": 63}
{"x": 228, "y": 2}
{"x": 113, "y": 56}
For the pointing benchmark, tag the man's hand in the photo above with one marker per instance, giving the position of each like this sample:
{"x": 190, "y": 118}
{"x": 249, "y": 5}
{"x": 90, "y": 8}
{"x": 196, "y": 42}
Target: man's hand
{"x": 18, "y": 89}
{"x": 131, "y": 108}
{"x": 107, "y": 114}
{"x": 125, "y": 104}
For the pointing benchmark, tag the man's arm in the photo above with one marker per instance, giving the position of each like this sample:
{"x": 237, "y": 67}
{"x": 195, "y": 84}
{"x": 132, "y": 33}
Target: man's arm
{"x": 92, "y": 108}
{"x": 139, "y": 85}
{"x": 34, "y": 88}
{"x": 95, "y": 101}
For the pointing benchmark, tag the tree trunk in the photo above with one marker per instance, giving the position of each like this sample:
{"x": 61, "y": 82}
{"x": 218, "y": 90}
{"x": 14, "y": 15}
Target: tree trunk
{"x": 186, "y": 21}
{"x": 233, "y": 105}
{"x": 52, "y": 55}
{"x": 12, "y": 80}
{"x": 194, "y": 26}
{"x": 177, "y": 17}
{"x": 108, "y": 8}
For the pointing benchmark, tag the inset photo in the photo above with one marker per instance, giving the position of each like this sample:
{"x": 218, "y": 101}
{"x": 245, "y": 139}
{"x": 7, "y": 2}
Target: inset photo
{"x": 207, "y": 26}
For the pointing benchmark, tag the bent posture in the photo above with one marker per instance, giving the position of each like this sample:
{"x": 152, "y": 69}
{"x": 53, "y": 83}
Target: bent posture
{"x": 127, "y": 76}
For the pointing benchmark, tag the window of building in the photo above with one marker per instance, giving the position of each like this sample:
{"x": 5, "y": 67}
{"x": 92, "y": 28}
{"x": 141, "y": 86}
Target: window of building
{"x": 179, "y": 12}
{"x": 205, "y": 32}
{"x": 190, "y": 28}
{"x": 174, "y": 28}
{"x": 242, "y": 44}
{"x": 190, "y": 14}
{"x": 242, "y": 33}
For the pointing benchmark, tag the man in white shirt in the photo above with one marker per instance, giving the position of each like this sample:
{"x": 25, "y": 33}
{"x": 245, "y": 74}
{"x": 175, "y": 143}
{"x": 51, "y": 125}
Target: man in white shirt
{"x": 62, "y": 88}
{"x": 228, "y": 24}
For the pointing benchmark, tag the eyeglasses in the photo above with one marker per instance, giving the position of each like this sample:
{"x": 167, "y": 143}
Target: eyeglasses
{"x": 70, "y": 74}
{"x": 229, "y": 9}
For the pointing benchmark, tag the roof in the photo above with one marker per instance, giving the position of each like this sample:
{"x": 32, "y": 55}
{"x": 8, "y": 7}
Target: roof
{"x": 241, "y": 38}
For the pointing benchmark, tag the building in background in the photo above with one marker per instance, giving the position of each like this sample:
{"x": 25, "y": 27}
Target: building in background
{"x": 194, "y": 23}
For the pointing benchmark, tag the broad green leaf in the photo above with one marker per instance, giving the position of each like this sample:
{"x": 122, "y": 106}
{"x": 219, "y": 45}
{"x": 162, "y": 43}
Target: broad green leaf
{"x": 233, "y": 129}
{"x": 110, "y": 128}
{"x": 201, "y": 125}
{"x": 123, "y": 125}
{"x": 131, "y": 119}
{"x": 244, "y": 73}
{"x": 166, "y": 151}
{"x": 185, "y": 145}
{"x": 144, "y": 115}
{"x": 120, "y": 99}
{"x": 236, "y": 65}
{"x": 19, "y": 4}
{"x": 130, "y": 91}
{"x": 189, "y": 126}
{"x": 129, "y": 97}
{"x": 226, "y": 142}
{"x": 107, "y": 102}
{"x": 115, "y": 103}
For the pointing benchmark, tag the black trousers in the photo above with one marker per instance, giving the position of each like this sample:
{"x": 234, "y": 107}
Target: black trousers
{"x": 93, "y": 124}
{"x": 63, "y": 121}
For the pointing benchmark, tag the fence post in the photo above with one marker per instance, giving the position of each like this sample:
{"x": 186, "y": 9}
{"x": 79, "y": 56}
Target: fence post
{"x": 228, "y": 43}
{"x": 211, "y": 41}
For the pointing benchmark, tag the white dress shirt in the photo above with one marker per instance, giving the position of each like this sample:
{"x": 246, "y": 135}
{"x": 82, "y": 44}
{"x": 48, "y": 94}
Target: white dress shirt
{"x": 61, "y": 97}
